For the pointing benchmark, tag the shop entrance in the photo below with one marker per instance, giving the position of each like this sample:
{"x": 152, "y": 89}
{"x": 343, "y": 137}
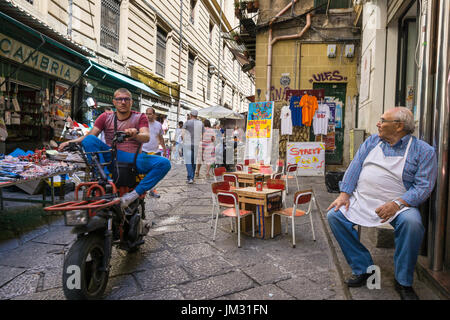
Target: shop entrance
{"x": 26, "y": 121}
{"x": 334, "y": 93}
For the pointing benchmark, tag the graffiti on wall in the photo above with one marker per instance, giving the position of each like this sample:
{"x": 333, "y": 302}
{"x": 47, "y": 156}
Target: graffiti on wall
{"x": 328, "y": 76}
{"x": 278, "y": 94}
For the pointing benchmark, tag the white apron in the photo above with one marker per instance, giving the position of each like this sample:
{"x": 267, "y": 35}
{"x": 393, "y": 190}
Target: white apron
{"x": 380, "y": 181}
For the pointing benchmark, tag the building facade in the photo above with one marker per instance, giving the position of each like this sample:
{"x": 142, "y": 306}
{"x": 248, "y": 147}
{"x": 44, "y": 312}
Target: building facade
{"x": 307, "y": 45}
{"x": 180, "y": 49}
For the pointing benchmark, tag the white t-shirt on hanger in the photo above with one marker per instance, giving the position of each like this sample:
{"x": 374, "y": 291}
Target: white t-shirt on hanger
{"x": 286, "y": 120}
{"x": 320, "y": 119}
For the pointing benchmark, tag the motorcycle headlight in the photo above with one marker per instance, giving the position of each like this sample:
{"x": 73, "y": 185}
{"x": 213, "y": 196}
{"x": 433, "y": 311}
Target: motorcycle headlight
{"x": 76, "y": 218}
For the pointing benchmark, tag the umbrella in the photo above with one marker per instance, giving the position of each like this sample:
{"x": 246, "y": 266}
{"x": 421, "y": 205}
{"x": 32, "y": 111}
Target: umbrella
{"x": 219, "y": 112}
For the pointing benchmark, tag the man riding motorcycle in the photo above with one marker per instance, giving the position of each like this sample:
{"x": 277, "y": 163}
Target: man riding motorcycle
{"x": 135, "y": 124}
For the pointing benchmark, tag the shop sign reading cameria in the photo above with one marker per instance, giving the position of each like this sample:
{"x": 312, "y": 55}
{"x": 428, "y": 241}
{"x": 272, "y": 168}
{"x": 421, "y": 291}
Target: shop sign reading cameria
{"x": 19, "y": 52}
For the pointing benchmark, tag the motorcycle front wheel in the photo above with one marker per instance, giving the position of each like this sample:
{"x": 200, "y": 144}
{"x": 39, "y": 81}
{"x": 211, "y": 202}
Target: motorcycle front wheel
{"x": 83, "y": 278}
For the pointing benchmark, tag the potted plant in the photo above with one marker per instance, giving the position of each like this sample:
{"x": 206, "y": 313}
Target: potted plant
{"x": 243, "y": 5}
{"x": 236, "y": 37}
{"x": 250, "y": 6}
{"x": 246, "y": 54}
{"x": 256, "y": 5}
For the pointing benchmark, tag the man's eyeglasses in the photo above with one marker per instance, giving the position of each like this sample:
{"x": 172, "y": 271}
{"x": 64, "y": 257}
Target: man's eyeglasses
{"x": 122, "y": 99}
{"x": 384, "y": 120}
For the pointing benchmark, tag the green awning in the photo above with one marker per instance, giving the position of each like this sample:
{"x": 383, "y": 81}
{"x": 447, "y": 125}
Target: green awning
{"x": 118, "y": 77}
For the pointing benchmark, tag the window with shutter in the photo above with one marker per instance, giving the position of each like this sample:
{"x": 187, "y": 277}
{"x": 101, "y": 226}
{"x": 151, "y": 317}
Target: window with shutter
{"x": 190, "y": 79}
{"x": 109, "y": 28}
{"x": 161, "y": 40}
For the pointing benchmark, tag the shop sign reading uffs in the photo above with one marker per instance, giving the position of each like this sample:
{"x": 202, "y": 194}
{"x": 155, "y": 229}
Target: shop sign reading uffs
{"x": 17, "y": 51}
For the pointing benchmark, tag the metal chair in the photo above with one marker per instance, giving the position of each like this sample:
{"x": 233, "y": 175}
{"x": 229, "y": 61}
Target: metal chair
{"x": 232, "y": 179}
{"x": 215, "y": 188}
{"x": 300, "y": 198}
{"x": 227, "y": 198}
{"x": 277, "y": 175}
{"x": 291, "y": 168}
{"x": 239, "y": 167}
{"x": 218, "y": 172}
{"x": 249, "y": 161}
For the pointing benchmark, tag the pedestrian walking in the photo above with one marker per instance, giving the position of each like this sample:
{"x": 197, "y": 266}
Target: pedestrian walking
{"x": 207, "y": 153}
{"x": 156, "y": 139}
{"x": 192, "y": 135}
{"x": 178, "y": 154}
{"x": 392, "y": 173}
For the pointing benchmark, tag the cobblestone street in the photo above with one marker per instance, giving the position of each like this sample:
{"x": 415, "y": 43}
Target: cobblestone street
{"x": 180, "y": 261}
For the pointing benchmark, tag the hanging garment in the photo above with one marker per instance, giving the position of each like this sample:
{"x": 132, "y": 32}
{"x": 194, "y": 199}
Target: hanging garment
{"x": 320, "y": 119}
{"x": 380, "y": 181}
{"x": 296, "y": 111}
{"x": 286, "y": 120}
{"x": 309, "y": 106}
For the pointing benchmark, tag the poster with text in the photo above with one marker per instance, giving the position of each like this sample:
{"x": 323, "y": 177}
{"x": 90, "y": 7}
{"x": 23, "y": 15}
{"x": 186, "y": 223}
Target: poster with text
{"x": 259, "y": 131}
{"x": 259, "y": 120}
{"x": 309, "y": 156}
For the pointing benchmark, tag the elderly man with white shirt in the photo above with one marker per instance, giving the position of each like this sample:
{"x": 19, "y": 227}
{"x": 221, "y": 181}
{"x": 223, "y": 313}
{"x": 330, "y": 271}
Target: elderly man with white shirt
{"x": 392, "y": 173}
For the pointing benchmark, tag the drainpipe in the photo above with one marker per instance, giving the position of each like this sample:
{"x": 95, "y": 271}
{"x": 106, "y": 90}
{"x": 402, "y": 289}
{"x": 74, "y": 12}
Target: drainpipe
{"x": 180, "y": 47}
{"x": 441, "y": 128}
{"x": 271, "y": 42}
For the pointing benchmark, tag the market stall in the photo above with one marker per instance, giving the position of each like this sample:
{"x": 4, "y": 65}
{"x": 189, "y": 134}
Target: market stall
{"x": 30, "y": 168}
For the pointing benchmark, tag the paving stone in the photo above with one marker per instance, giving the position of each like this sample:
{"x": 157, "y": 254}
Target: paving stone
{"x": 21, "y": 285}
{"x": 7, "y": 245}
{"x": 9, "y": 273}
{"x": 216, "y": 286}
{"x": 121, "y": 287}
{"x": 304, "y": 289}
{"x": 52, "y": 294}
{"x": 60, "y": 235}
{"x": 33, "y": 255}
{"x": 160, "y": 278}
{"x": 159, "y": 259}
{"x": 175, "y": 239}
{"x": 52, "y": 278}
{"x": 266, "y": 292}
{"x": 266, "y": 273}
{"x": 156, "y": 231}
{"x": 207, "y": 267}
{"x": 33, "y": 234}
{"x": 194, "y": 251}
{"x": 164, "y": 294}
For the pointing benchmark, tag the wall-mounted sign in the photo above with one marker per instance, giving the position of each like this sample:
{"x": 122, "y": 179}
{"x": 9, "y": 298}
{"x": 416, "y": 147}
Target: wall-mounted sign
{"x": 19, "y": 52}
{"x": 259, "y": 131}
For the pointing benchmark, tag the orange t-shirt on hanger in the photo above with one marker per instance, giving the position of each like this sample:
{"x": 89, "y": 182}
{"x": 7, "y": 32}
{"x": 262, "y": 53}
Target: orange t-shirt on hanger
{"x": 309, "y": 106}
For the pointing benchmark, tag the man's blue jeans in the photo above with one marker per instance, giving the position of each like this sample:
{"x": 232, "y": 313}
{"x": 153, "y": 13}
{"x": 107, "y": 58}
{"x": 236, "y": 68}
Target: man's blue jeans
{"x": 154, "y": 167}
{"x": 190, "y": 157}
{"x": 409, "y": 233}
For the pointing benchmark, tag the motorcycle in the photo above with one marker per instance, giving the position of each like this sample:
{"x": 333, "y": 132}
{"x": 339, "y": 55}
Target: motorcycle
{"x": 99, "y": 223}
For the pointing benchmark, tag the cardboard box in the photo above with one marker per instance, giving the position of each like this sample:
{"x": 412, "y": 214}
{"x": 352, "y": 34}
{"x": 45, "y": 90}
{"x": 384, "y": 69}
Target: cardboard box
{"x": 263, "y": 226}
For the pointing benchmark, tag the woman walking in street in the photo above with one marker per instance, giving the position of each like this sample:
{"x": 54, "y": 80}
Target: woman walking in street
{"x": 207, "y": 149}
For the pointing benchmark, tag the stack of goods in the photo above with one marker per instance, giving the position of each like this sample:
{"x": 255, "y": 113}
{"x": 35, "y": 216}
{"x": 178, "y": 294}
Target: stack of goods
{"x": 30, "y": 165}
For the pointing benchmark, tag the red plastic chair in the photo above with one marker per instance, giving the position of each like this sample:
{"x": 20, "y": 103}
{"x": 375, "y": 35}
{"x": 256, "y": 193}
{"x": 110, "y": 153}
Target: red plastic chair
{"x": 303, "y": 197}
{"x": 218, "y": 172}
{"x": 229, "y": 198}
{"x": 239, "y": 167}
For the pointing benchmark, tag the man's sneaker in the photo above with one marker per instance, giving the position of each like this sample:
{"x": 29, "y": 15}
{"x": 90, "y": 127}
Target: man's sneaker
{"x": 190, "y": 181}
{"x": 358, "y": 280}
{"x": 154, "y": 194}
{"x": 128, "y": 198}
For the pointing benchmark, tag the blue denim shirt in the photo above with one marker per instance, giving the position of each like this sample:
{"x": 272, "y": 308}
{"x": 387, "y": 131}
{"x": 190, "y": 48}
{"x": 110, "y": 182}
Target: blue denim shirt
{"x": 419, "y": 173}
